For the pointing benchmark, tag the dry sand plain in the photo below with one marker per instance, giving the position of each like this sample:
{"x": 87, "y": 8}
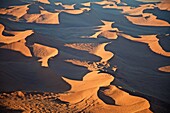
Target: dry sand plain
{"x": 99, "y": 56}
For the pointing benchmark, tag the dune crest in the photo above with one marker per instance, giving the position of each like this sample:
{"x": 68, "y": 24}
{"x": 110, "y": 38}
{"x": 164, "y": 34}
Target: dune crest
{"x": 44, "y": 52}
{"x": 18, "y": 46}
{"x": 147, "y": 19}
{"x": 151, "y": 41}
{"x": 95, "y": 49}
{"x": 17, "y": 11}
{"x": 87, "y": 4}
{"x": 44, "y": 1}
{"x": 65, "y": 6}
{"x": 18, "y": 35}
{"x": 164, "y": 5}
{"x": 75, "y": 11}
{"x": 106, "y": 30}
{"x": 90, "y": 84}
{"x": 44, "y": 18}
{"x": 164, "y": 69}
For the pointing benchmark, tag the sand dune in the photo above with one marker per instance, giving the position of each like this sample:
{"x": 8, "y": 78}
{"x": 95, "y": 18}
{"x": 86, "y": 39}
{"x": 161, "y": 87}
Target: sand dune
{"x": 75, "y": 11}
{"x": 164, "y": 5}
{"x": 87, "y": 4}
{"x": 105, "y": 30}
{"x": 65, "y": 6}
{"x": 16, "y": 11}
{"x": 105, "y": 2}
{"x": 43, "y": 1}
{"x": 98, "y": 50}
{"x": 18, "y": 46}
{"x": 89, "y": 87}
{"x": 151, "y": 41}
{"x": 44, "y": 52}
{"x": 18, "y": 35}
{"x": 44, "y": 18}
{"x": 147, "y": 20}
{"x": 164, "y": 69}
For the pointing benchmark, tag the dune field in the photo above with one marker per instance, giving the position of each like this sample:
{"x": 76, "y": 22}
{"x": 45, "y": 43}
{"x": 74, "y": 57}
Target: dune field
{"x": 84, "y": 56}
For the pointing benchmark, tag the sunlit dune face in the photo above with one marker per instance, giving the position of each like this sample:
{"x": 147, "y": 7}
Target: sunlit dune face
{"x": 164, "y": 69}
{"x": 164, "y": 5}
{"x": 44, "y": 1}
{"x": 44, "y": 52}
{"x": 18, "y": 35}
{"x": 89, "y": 87}
{"x": 151, "y": 40}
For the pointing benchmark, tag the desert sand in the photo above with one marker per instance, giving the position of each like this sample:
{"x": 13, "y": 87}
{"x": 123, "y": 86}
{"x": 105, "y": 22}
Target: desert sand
{"x": 100, "y": 56}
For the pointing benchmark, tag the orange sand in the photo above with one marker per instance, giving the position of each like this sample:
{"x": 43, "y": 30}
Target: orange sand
{"x": 164, "y": 69}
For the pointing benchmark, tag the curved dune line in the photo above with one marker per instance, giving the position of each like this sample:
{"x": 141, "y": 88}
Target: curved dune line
{"x": 44, "y": 18}
{"x": 75, "y": 11}
{"x": 18, "y": 46}
{"x": 151, "y": 41}
{"x": 44, "y": 52}
{"x": 125, "y": 102}
{"x": 18, "y": 35}
{"x": 65, "y": 6}
{"x": 164, "y": 5}
{"x": 149, "y": 20}
{"x": 164, "y": 69}
{"x": 104, "y": 2}
{"x": 98, "y": 50}
{"x": 44, "y": 1}
{"x": 86, "y": 88}
{"x": 17, "y": 11}
{"x": 104, "y": 30}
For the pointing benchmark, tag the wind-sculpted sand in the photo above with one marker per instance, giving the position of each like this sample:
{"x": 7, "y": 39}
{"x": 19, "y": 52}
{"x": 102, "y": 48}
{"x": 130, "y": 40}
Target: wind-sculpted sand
{"x": 44, "y": 1}
{"x": 16, "y": 11}
{"x": 65, "y": 6}
{"x": 44, "y": 17}
{"x": 147, "y": 19}
{"x": 44, "y": 52}
{"x": 151, "y": 40}
{"x": 164, "y": 5}
{"x": 164, "y": 69}
{"x": 75, "y": 11}
{"x": 105, "y": 30}
{"x": 17, "y": 35}
{"x": 96, "y": 49}
{"x": 18, "y": 46}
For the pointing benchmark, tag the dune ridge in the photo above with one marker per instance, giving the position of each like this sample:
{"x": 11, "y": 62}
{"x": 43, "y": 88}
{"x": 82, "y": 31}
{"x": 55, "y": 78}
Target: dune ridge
{"x": 43, "y": 1}
{"x": 96, "y": 49}
{"x": 18, "y": 46}
{"x": 164, "y": 5}
{"x": 164, "y": 69}
{"x": 105, "y": 30}
{"x": 18, "y": 35}
{"x": 151, "y": 41}
{"x": 44, "y": 52}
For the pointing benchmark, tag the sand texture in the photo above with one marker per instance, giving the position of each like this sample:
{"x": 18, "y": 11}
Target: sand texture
{"x": 84, "y": 56}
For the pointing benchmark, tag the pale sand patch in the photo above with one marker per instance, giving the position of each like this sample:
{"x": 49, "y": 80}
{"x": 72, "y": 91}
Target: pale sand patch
{"x": 75, "y": 11}
{"x": 43, "y": 1}
{"x": 44, "y": 52}
{"x": 17, "y": 11}
{"x": 164, "y": 5}
{"x": 44, "y": 18}
{"x": 147, "y": 19}
{"x": 105, "y": 30}
{"x": 98, "y": 50}
{"x": 164, "y": 69}
{"x": 18, "y": 35}
{"x": 18, "y": 46}
{"x": 87, "y": 4}
{"x": 151, "y": 41}
{"x": 104, "y": 2}
{"x": 65, "y": 6}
